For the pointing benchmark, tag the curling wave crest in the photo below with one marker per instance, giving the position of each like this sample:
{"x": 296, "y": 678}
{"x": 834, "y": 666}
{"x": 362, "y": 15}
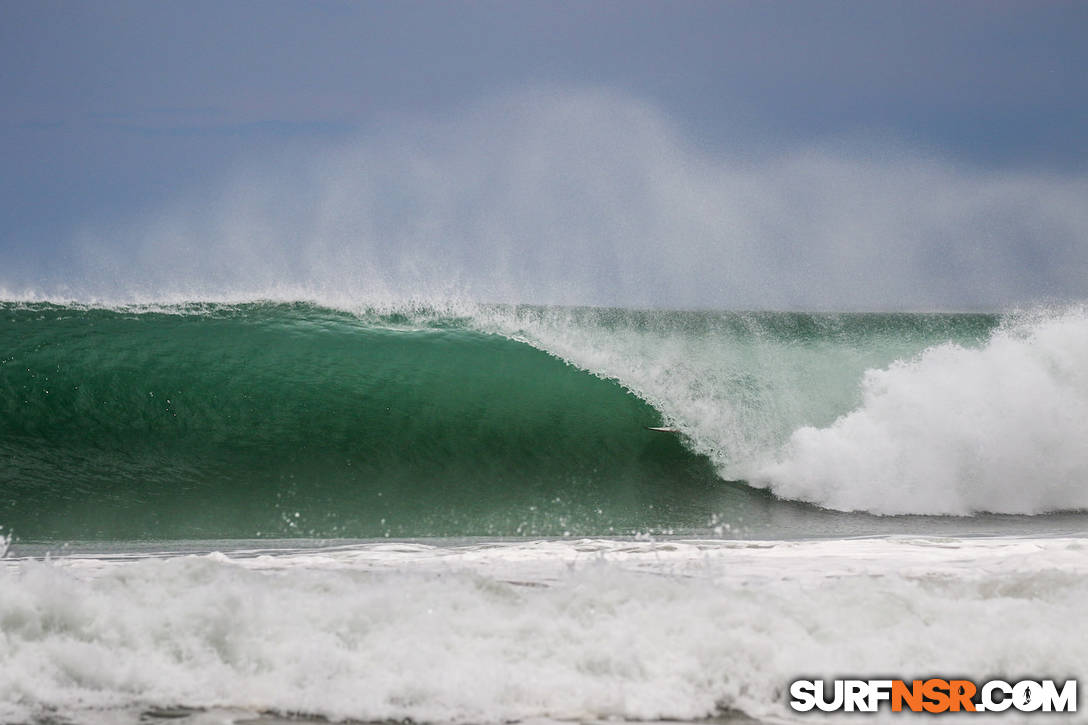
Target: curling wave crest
{"x": 889, "y": 414}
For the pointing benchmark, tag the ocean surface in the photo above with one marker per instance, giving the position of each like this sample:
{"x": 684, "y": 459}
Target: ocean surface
{"x": 225, "y": 510}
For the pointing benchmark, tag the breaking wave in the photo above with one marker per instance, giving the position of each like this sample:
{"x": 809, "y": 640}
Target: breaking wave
{"x": 206, "y": 420}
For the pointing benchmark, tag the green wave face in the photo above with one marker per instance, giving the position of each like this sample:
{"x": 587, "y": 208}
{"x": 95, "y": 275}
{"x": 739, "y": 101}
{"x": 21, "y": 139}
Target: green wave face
{"x": 273, "y": 420}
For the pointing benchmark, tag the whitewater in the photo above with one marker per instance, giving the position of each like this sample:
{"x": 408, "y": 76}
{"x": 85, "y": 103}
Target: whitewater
{"x": 563, "y": 630}
{"x": 231, "y": 509}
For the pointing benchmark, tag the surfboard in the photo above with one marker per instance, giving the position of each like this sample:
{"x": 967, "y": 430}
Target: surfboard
{"x": 663, "y": 429}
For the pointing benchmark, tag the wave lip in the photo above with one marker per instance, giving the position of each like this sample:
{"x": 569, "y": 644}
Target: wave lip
{"x": 956, "y": 430}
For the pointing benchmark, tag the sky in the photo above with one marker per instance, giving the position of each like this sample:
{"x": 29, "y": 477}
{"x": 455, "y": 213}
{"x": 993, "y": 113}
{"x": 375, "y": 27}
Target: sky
{"x": 869, "y": 155}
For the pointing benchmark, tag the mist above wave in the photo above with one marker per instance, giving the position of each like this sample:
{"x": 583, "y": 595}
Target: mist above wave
{"x": 562, "y": 196}
{"x": 591, "y": 197}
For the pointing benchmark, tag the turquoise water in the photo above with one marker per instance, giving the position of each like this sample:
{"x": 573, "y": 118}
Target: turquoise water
{"x": 208, "y": 421}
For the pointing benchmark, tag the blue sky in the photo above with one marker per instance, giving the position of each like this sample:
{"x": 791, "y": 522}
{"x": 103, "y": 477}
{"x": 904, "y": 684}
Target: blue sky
{"x": 115, "y": 111}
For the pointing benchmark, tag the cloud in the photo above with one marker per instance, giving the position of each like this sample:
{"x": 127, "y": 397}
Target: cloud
{"x": 595, "y": 197}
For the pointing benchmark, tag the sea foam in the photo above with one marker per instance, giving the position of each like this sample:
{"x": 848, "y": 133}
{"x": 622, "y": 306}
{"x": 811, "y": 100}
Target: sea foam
{"x": 556, "y": 629}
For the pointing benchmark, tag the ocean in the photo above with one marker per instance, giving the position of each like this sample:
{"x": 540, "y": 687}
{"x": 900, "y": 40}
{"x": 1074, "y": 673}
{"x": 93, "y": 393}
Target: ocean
{"x": 246, "y": 510}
